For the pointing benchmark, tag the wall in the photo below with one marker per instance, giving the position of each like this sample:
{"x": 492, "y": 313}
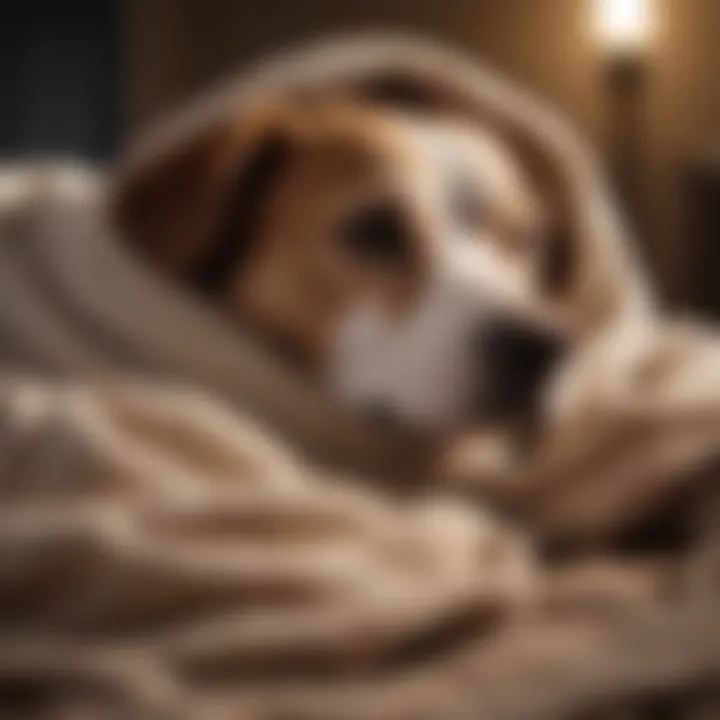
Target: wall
{"x": 179, "y": 46}
{"x": 59, "y": 77}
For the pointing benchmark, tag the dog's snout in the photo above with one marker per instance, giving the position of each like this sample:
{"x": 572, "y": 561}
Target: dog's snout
{"x": 517, "y": 356}
{"x": 521, "y": 348}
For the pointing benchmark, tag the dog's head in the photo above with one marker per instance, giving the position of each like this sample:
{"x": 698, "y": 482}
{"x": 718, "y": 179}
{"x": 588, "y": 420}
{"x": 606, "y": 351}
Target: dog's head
{"x": 410, "y": 259}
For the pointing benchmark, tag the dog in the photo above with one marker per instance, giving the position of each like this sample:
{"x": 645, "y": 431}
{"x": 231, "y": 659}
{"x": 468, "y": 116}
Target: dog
{"x": 405, "y": 257}
{"x": 396, "y": 258}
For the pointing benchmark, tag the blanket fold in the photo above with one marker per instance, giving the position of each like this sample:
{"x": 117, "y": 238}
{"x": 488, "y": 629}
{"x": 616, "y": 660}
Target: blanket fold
{"x": 187, "y": 531}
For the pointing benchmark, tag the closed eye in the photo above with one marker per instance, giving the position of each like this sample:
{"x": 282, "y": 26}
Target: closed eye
{"x": 377, "y": 233}
{"x": 467, "y": 205}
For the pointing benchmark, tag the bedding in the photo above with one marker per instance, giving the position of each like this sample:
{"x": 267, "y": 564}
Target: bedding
{"x": 188, "y": 532}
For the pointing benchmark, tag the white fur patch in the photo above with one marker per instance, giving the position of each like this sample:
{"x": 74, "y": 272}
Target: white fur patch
{"x": 425, "y": 368}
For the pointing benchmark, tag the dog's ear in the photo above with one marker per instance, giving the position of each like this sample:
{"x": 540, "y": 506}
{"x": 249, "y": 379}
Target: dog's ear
{"x": 552, "y": 180}
{"x": 192, "y": 207}
{"x": 585, "y": 267}
{"x": 547, "y": 170}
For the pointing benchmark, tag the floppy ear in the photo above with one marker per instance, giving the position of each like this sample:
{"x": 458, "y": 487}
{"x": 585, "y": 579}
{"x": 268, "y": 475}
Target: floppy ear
{"x": 553, "y": 178}
{"x": 588, "y": 265}
{"x": 410, "y": 92}
{"x": 192, "y": 206}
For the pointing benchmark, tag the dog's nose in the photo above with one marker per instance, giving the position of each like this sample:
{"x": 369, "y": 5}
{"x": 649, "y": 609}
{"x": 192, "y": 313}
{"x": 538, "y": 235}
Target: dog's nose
{"x": 516, "y": 357}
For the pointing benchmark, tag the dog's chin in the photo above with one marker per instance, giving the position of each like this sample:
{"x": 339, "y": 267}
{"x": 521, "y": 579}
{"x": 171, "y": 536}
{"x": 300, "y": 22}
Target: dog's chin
{"x": 521, "y": 426}
{"x": 523, "y": 420}
{"x": 521, "y": 432}
{"x": 529, "y": 428}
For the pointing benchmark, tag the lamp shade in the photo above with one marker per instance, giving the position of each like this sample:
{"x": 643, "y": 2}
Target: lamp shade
{"x": 624, "y": 26}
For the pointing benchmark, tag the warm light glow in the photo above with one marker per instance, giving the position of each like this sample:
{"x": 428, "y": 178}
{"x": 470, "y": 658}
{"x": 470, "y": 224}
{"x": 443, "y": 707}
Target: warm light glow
{"x": 624, "y": 25}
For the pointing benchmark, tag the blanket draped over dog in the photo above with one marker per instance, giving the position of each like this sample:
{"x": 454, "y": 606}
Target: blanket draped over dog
{"x": 188, "y": 532}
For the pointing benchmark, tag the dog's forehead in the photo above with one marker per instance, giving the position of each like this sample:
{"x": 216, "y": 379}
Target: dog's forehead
{"x": 357, "y": 139}
{"x": 455, "y": 149}
{"x": 353, "y": 150}
{"x": 343, "y": 128}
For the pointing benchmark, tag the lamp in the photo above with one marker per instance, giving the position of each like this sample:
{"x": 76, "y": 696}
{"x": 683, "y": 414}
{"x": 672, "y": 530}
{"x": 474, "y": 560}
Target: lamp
{"x": 624, "y": 30}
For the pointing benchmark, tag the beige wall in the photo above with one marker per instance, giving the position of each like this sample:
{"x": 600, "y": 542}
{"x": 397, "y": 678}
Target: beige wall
{"x": 180, "y": 46}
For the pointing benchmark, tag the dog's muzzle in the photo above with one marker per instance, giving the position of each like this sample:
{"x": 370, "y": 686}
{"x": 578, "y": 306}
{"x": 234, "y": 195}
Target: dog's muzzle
{"x": 516, "y": 358}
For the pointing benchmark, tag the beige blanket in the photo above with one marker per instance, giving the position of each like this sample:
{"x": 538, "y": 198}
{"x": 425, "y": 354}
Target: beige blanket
{"x": 185, "y": 532}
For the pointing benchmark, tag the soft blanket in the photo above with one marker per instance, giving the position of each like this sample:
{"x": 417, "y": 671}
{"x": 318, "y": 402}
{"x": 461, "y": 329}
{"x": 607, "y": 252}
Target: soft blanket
{"x": 187, "y": 532}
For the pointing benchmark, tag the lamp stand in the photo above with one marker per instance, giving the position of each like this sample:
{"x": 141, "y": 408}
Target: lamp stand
{"x": 625, "y": 79}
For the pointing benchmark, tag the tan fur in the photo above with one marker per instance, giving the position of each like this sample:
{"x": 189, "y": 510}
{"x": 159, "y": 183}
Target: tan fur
{"x": 167, "y": 506}
{"x": 342, "y": 153}
{"x": 299, "y": 280}
{"x": 168, "y": 208}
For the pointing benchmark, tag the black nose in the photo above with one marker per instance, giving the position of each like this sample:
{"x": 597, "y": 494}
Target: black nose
{"x": 516, "y": 357}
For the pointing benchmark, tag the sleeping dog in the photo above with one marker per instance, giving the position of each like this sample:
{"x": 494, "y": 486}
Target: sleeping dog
{"x": 408, "y": 255}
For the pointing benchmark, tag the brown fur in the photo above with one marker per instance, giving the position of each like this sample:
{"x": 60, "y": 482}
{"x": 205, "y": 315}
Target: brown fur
{"x": 297, "y": 281}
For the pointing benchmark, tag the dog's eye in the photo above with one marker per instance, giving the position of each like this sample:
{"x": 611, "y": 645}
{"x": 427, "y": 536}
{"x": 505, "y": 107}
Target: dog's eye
{"x": 466, "y": 203}
{"x": 377, "y": 233}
